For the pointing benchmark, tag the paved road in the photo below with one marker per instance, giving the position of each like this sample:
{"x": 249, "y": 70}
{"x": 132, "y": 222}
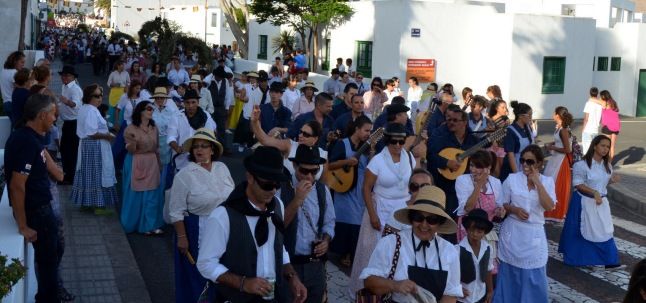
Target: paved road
{"x": 154, "y": 255}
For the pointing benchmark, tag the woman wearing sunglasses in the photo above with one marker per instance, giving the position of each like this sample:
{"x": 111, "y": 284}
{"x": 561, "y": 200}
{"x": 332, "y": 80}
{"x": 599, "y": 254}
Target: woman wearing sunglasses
{"x": 425, "y": 263}
{"x": 309, "y": 135}
{"x": 522, "y": 250}
{"x": 375, "y": 98}
{"x": 385, "y": 189}
{"x": 587, "y": 237}
{"x": 95, "y": 178}
{"x": 519, "y": 136}
{"x": 198, "y": 188}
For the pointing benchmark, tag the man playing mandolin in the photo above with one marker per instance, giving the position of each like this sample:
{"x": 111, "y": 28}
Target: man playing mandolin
{"x": 454, "y": 135}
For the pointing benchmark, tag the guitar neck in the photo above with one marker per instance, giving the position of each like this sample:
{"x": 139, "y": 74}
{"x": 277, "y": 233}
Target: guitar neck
{"x": 479, "y": 145}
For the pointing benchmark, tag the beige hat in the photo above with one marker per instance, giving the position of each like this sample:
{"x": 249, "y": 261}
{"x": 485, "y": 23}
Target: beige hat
{"x": 252, "y": 74}
{"x": 196, "y": 79}
{"x": 430, "y": 199}
{"x": 310, "y": 84}
{"x": 160, "y": 92}
{"x": 204, "y": 134}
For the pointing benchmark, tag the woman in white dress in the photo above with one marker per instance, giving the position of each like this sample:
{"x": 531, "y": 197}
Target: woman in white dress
{"x": 558, "y": 166}
{"x": 385, "y": 190}
{"x": 522, "y": 249}
{"x": 413, "y": 97}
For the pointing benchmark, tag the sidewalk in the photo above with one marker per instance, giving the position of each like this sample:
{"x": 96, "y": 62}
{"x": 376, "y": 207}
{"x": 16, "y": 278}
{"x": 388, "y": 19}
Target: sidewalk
{"x": 98, "y": 264}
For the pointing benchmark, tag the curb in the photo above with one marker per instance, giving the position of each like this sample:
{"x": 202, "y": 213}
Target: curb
{"x": 627, "y": 198}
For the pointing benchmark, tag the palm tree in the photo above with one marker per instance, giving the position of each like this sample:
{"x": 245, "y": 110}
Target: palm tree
{"x": 23, "y": 15}
{"x": 284, "y": 42}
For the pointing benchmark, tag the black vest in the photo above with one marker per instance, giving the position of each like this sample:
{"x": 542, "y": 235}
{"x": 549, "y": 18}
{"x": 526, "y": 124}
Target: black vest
{"x": 286, "y": 195}
{"x": 468, "y": 269}
{"x": 218, "y": 94}
{"x": 241, "y": 255}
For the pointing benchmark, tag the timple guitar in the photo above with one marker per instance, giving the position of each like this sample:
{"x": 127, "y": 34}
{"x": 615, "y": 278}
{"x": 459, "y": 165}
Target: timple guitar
{"x": 461, "y": 156}
{"x": 343, "y": 179}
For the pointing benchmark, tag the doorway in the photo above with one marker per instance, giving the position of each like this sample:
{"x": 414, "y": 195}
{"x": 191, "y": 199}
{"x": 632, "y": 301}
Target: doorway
{"x": 641, "y": 94}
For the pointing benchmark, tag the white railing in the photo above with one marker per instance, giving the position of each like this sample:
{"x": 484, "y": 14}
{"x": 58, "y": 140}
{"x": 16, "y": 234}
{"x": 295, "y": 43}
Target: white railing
{"x": 13, "y": 245}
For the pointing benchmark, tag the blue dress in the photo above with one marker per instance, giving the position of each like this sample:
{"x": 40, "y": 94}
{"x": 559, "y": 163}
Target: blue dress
{"x": 141, "y": 210}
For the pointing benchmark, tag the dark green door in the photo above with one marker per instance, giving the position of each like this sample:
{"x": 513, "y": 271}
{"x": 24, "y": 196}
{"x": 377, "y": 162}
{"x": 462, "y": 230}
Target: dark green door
{"x": 641, "y": 94}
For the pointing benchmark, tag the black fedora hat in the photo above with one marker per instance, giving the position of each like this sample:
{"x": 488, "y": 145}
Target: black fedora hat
{"x": 68, "y": 69}
{"x": 395, "y": 130}
{"x": 266, "y": 162}
{"x": 477, "y": 214}
{"x": 307, "y": 155}
{"x": 191, "y": 94}
{"x": 219, "y": 72}
{"x": 397, "y": 108}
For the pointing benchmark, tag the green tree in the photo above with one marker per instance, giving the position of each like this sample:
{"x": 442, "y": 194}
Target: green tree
{"x": 24, "y": 4}
{"x": 284, "y": 42}
{"x": 105, "y": 5}
{"x": 307, "y": 17}
{"x": 162, "y": 31}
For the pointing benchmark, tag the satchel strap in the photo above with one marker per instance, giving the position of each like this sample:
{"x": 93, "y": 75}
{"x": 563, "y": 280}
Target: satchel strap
{"x": 391, "y": 275}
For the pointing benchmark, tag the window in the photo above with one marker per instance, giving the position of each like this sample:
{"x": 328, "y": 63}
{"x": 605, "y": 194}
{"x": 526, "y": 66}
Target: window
{"x": 553, "y": 75}
{"x": 364, "y": 58}
{"x": 262, "y": 47}
{"x": 214, "y": 20}
{"x": 602, "y": 64}
{"x": 615, "y": 64}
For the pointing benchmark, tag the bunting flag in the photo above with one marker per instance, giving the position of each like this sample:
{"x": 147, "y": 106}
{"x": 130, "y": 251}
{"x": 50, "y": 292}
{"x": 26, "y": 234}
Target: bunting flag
{"x": 196, "y": 9}
{"x": 138, "y": 9}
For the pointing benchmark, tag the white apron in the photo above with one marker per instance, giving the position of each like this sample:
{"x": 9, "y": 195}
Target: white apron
{"x": 522, "y": 244}
{"x": 596, "y": 220}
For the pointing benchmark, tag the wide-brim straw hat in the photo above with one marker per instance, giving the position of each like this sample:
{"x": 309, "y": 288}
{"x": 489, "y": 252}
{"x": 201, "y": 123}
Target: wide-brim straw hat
{"x": 311, "y": 85}
{"x": 430, "y": 199}
{"x": 252, "y": 74}
{"x": 196, "y": 79}
{"x": 160, "y": 92}
{"x": 204, "y": 134}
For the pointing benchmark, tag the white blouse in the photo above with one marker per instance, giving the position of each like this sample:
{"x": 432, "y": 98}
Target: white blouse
{"x": 477, "y": 289}
{"x": 127, "y": 106}
{"x": 515, "y": 191}
{"x": 464, "y": 188}
{"x": 391, "y": 185}
{"x": 381, "y": 261}
{"x": 121, "y": 79}
{"x": 90, "y": 122}
{"x": 199, "y": 191}
{"x": 594, "y": 176}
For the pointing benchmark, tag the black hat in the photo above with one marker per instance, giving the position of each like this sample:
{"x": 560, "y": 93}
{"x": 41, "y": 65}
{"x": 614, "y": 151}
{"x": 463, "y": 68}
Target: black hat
{"x": 395, "y": 129}
{"x": 477, "y": 214}
{"x": 263, "y": 76}
{"x": 219, "y": 72}
{"x": 266, "y": 162}
{"x": 163, "y": 82}
{"x": 68, "y": 69}
{"x": 276, "y": 87}
{"x": 191, "y": 94}
{"x": 397, "y": 108}
{"x": 307, "y": 155}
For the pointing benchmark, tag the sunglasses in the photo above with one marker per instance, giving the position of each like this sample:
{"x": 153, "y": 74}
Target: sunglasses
{"x": 308, "y": 171}
{"x": 414, "y": 187}
{"x": 203, "y": 146}
{"x": 431, "y": 220}
{"x": 149, "y": 108}
{"x": 454, "y": 120}
{"x": 306, "y": 134}
{"x": 529, "y": 162}
{"x": 97, "y": 96}
{"x": 267, "y": 185}
{"x": 395, "y": 141}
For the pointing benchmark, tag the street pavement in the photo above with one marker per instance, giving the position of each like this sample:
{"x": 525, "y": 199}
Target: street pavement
{"x": 102, "y": 264}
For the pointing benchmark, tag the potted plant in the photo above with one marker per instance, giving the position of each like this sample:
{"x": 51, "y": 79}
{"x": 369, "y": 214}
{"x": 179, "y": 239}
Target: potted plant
{"x": 10, "y": 274}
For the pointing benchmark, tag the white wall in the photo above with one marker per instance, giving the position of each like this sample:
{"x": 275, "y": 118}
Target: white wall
{"x": 572, "y": 38}
{"x": 255, "y": 30}
{"x": 10, "y": 19}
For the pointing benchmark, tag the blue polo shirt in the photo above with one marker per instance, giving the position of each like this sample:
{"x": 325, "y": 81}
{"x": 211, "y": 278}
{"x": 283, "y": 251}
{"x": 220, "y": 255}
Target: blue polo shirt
{"x": 339, "y": 109}
{"x": 328, "y": 124}
{"x": 270, "y": 118}
{"x": 341, "y": 123}
{"x": 25, "y": 154}
{"x": 437, "y": 119}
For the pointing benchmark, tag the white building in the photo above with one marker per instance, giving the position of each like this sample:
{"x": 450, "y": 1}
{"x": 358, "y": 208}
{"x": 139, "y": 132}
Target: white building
{"x": 72, "y": 6}
{"x": 10, "y": 20}
{"x": 545, "y": 53}
{"x": 210, "y": 25}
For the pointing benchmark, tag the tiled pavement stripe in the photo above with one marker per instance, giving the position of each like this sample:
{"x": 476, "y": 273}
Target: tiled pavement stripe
{"x": 629, "y": 225}
{"x": 630, "y": 248}
{"x": 559, "y": 292}
{"x": 617, "y": 277}
{"x": 337, "y": 284}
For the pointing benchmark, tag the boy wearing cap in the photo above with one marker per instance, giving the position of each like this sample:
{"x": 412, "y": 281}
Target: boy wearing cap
{"x": 476, "y": 260}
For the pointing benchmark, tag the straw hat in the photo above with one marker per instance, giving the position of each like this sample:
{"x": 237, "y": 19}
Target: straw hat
{"x": 430, "y": 199}
{"x": 310, "y": 84}
{"x": 252, "y": 74}
{"x": 204, "y": 134}
{"x": 196, "y": 79}
{"x": 160, "y": 92}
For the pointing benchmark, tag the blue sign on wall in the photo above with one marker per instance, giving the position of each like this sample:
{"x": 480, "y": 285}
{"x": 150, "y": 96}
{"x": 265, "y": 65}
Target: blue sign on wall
{"x": 415, "y": 32}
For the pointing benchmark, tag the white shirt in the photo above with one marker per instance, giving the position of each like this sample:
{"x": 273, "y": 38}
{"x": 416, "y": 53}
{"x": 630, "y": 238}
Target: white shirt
{"x": 290, "y": 97}
{"x": 90, "y": 122}
{"x": 127, "y": 105}
{"x": 254, "y": 95}
{"x": 7, "y": 83}
{"x": 229, "y": 101}
{"x": 178, "y": 77}
{"x": 329, "y": 86}
{"x": 464, "y": 188}
{"x": 515, "y": 191}
{"x": 388, "y": 182}
{"x": 179, "y": 129}
{"x": 594, "y": 176}
{"x": 144, "y": 94}
{"x": 594, "y": 117}
{"x": 198, "y": 190}
{"x": 381, "y": 261}
{"x": 206, "y": 103}
{"x": 114, "y": 49}
{"x": 302, "y": 106}
{"x": 414, "y": 94}
{"x": 214, "y": 235}
{"x": 73, "y": 92}
{"x": 477, "y": 289}
{"x": 121, "y": 79}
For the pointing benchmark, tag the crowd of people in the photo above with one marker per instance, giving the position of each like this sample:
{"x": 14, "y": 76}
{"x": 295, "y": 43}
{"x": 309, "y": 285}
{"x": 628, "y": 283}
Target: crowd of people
{"x": 362, "y": 171}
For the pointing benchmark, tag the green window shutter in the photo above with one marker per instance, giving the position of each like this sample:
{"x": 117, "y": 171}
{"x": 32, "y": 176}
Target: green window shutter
{"x": 602, "y": 64}
{"x": 615, "y": 64}
{"x": 262, "y": 47}
{"x": 364, "y": 58}
{"x": 553, "y": 75}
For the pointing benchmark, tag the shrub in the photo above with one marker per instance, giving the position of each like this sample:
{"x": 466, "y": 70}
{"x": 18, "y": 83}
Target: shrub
{"x": 10, "y": 274}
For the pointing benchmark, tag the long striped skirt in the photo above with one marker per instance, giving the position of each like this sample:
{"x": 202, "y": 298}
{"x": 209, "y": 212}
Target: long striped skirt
{"x": 87, "y": 189}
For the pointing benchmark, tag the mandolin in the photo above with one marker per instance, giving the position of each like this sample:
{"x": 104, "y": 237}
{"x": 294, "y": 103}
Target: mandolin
{"x": 343, "y": 179}
{"x": 461, "y": 156}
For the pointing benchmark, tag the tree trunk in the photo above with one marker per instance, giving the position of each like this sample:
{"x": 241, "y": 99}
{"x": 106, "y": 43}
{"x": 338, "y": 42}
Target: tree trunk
{"x": 309, "y": 49}
{"x": 23, "y": 24}
{"x": 242, "y": 36}
{"x": 315, "y": 52}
